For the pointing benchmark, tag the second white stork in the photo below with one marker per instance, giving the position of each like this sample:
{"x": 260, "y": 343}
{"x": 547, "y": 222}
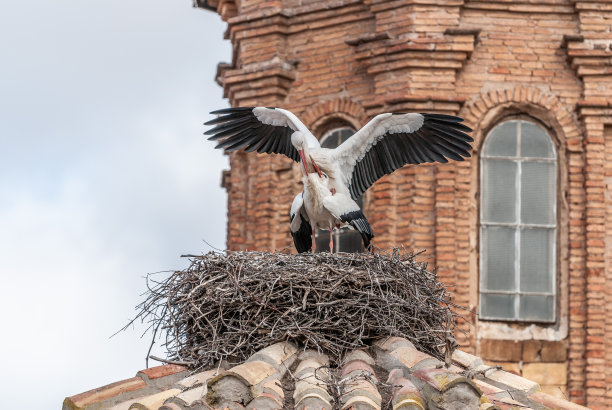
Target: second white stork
{"x": 386, "y": 143}
{"x": 320, "y": 207}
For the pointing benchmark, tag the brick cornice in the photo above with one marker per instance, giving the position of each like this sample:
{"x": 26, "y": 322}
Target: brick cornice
{"x": 520, "y": 6}
{"x": 592, "y": 5}
{"x": 592, "y": 61}
{"x": 378, "y": 6}
{"x": 278, "y": 20}
{"x": 381, "y": 54}
{"x": 270, "y": 78}
{"x": 402, "y": 101}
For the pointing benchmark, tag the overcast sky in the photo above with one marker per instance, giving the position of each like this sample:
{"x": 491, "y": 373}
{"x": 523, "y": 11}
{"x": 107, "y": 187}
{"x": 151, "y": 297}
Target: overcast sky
{"x": 104, "y": 177}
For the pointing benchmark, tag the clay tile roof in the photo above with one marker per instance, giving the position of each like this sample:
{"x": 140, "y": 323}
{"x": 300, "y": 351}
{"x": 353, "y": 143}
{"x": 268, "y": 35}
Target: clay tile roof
{"x": 391, "y": 374}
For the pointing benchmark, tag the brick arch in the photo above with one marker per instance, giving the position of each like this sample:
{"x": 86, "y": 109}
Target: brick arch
{"x": 490, "y": 107}
{"x": 338, "y": 109}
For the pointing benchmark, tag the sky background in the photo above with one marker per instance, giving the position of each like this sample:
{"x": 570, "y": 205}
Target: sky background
{"x": 105, "y": 176}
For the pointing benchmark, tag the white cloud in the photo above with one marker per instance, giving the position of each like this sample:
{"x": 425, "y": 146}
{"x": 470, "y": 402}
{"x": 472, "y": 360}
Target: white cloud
{"x": 104, "y": 177}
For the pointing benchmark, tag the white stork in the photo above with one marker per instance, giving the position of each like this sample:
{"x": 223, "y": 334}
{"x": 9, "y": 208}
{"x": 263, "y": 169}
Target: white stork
{"x": 320, "y": 207}
{"x": 386, "y": 143}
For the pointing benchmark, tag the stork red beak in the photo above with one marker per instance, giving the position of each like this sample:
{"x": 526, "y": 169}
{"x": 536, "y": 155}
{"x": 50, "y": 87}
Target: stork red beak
{"x": 314, "y": 164}
{"x": 303, "y": 157}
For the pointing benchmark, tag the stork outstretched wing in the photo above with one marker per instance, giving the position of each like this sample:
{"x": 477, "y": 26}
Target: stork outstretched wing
{"x": 390, "y": 141}
{"x": 258, "y": 129}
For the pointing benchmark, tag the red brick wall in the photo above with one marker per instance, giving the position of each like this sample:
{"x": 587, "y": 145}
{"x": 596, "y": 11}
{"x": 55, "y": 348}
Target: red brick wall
{"x": 483, "y": 60}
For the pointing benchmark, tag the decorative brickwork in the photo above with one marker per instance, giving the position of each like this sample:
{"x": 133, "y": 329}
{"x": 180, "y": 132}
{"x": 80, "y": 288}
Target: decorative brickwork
{"x": 348, "y": 60}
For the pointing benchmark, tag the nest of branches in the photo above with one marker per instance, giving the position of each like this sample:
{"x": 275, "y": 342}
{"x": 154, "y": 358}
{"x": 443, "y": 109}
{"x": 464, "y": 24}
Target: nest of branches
{"x": 228, "y": 306}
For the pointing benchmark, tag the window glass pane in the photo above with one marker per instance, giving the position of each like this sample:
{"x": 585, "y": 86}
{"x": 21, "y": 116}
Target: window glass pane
{"x": 499, "y": 190}
{"x": 336, "y": 137}
{"x": 537, "y": 259}
{"x": 497, "y": 306}
{"x": 345, "y": 134}
{"x": 501, "y": 141}
{"x": 535, "y": 142}
{"x": 538, "y": 192}
{"x": 499, "y": 254}
{"x": 538, "y": 308}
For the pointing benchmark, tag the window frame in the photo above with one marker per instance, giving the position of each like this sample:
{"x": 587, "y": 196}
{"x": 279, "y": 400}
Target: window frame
{"x": 518, "y": 225}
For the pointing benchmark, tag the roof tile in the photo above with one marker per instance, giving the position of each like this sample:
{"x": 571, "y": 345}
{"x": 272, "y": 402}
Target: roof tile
{"x": 154, "y": 401}
{"x": 312, "y": 376}
{"x": 103, "y": 393}
{"x": 265, "y": 402}
{"x": 311, "y": 402}
{"x": 512, "y": 380}
{"x": 359, "y": 354}
{"x": 228, "y": 388}
{"x": 280, "y": 355}
{"x": 188, "y": 397}
{"x": 392, "y": 343}
{"x": 361, "y": 403}
{"x": 199, "y": 378}
{"x": 252, "y": 372}
{"x": 164, "y": 370}
{"x": 413, "y": 359}
{"x": 405, "y": 394}
{"x": 274, "y": 387}
{"x": 170, "y": 406}
{"x": 554, "y": 402}
{"x": 466, "y": 360}
{"x": 417, "y": 379}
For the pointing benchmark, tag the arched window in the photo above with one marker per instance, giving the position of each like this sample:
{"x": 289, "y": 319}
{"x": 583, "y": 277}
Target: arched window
{"x": 518, "y": 223}
{"x": 345, "y": 239}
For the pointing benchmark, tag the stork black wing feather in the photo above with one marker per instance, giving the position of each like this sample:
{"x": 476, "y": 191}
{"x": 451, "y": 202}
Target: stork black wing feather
{"x": 440, "y": 138}
{"x": 302, "y": 238}
{"x": 358, "y": 221}
{"x": 224, "y": 130}
{"x": 443, "y": 117}
{"x": 231, "y": 110}
{"x": 239, "y": 128}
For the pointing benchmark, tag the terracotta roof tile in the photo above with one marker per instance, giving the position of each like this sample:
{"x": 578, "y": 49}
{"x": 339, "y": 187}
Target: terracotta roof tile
{"x": 405, "y": 394}
{"x": 91, "y": 397}
{"x": 554, "y": 402}
{"x": 153, "y": 373}
{"x": 154, "y": 401}
{"x": 397, "y": 373}
{"x": 199, "y": 378}
{"x": 359, "y": 383}
{"x": 280, "y": 355}
{"x": 312, "y": 376}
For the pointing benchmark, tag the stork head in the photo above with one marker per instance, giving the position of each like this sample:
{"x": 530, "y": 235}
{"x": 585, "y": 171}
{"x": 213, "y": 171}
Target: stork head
{"x": 298, "y": 140}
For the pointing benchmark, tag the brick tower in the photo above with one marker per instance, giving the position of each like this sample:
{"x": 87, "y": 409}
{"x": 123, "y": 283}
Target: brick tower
{"x": 522, "y": 230}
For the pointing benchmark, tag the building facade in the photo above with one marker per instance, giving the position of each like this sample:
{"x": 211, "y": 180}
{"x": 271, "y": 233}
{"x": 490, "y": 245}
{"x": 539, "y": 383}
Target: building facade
{"x": 522, "y": 231}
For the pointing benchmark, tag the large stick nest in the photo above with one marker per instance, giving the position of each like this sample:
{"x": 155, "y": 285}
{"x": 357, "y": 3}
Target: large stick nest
{"x": 228, "y": 306}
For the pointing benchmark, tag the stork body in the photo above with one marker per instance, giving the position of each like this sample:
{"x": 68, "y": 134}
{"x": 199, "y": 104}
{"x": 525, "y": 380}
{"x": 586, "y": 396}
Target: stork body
{"x": 320, "y": 207}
